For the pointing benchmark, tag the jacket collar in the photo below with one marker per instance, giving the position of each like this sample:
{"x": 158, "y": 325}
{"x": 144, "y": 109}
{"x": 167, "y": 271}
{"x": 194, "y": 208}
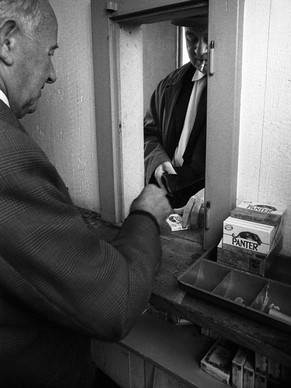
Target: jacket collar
{"x": 173, "y": 87}
{"x": 7, "y": 115}
{"x": 178, "y": 75}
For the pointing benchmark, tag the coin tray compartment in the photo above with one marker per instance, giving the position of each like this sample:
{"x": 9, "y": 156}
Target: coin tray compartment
{"x": 273, "y": 294}
{"x": 239, "y": 288}
{"x": 243, "y": 292}
{"x": 206, "y": 276}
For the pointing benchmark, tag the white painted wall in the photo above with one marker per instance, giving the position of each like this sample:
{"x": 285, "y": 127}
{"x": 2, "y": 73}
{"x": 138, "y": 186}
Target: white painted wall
{"x": 64, "y": 124}
{"x": 264, "y": 172}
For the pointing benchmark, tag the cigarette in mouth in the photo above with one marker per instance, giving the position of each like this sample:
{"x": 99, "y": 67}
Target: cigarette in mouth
{"x": 202, "y": 65}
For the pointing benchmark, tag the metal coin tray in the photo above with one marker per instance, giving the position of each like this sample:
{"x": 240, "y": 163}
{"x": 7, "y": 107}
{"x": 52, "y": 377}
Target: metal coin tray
{"x": 259, "y": 298}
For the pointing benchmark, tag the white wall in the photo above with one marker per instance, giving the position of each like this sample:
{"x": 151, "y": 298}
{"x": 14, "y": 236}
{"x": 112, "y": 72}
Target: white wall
{"x": 64, "y": 124}
{"x": 265, "y": 134}
{"x": 159, "y": 41}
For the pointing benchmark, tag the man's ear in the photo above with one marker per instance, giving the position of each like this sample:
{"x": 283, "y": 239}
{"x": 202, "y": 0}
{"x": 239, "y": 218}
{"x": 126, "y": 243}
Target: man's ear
{"x": 7, "y": 41}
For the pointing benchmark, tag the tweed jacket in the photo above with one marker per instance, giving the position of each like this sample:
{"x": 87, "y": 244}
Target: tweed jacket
{"x": 60, "y": 285}
{"x": 161, "y": 131}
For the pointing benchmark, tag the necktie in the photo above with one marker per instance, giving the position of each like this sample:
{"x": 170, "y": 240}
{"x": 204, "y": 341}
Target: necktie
{"x": 191, "y": 113}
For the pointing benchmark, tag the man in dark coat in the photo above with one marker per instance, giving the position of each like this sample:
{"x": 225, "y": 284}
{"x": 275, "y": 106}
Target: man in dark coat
{"x": 175, "y": 125}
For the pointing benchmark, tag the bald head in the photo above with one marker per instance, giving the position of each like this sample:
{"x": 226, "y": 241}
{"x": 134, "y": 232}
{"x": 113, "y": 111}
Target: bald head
{"x": 28, "y": 39}
{"x": 47, "y": 14}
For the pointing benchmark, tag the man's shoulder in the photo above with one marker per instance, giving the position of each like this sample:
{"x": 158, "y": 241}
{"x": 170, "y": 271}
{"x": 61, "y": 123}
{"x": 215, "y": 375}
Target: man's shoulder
{"x": 14, "y": 139}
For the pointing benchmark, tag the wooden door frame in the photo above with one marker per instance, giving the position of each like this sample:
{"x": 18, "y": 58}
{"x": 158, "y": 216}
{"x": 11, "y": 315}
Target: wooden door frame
{"x": 223, "y": 115}
{"x": 120, "y": 127}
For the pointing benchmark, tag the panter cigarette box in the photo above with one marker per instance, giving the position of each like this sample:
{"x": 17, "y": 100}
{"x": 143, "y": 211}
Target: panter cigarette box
{"x": 257, "y": 212}
{"x": 246, "y": 253}
{"x": 264, "y": 214}
{"x": 253, "y": 236}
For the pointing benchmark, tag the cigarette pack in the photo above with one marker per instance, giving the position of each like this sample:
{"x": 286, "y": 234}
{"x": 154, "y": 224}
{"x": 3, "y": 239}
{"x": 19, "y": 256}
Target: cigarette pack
{"x": 175, "y": 222}
{"x": 237, "y": 368}
{"x": 253, "y": 236}
{"x": 264, "y": 214}
{"x": 249, "y": 372}
{"x": 218, "y": 361}
{"x": 246, "y": 259}
{"x": 256, "y": 212}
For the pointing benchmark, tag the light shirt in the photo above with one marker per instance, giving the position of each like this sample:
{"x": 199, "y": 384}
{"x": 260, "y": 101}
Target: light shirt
{"x": 199, "y": 80}
{"x": 4, "y": 98}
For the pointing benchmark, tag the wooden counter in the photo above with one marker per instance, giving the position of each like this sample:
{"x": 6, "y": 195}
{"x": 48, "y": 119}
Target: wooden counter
{"x": 233, "y": 326}
{"x": 178, "y": 253}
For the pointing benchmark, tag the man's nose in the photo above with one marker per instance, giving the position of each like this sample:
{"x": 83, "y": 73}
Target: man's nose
{"x": 52, "y": 75}
{"x": 201, "y": 48}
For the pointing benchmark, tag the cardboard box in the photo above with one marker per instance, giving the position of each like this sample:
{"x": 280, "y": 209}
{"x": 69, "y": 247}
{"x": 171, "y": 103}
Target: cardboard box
{"x": 251, "y": 260}
{"x": 245, "y": 260}
{"x": 233, "y": 257}
{"x": 218, "y": 361}
{"x": 256, "y": 212}
{"x": 249, "y": 371}
{"x": 252, "y": 236}
{"x": 237, "y": 368}
{"x": 269, "y": 217}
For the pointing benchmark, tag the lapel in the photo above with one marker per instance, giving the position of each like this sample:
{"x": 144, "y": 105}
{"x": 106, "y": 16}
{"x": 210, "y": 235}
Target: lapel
{"x": 7, "y": 116}
{"x": 173, "y": 110}
{"x": 172, "y": 91}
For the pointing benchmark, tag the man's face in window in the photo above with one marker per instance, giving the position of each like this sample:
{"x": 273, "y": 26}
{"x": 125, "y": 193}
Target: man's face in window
{"x": 197, "y": 46}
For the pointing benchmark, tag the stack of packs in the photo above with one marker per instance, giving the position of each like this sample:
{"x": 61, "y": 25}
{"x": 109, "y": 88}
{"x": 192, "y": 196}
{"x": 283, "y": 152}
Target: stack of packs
{"x": 252, "y": 236}
{"x": 218, "y": 360}
{"x": 242, "y": 368}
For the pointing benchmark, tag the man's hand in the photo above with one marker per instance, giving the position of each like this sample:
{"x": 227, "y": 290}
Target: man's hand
{"x": 192, "y": 213}
{"x": 152, "y": 199}
{"x": 161, "y": 169}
